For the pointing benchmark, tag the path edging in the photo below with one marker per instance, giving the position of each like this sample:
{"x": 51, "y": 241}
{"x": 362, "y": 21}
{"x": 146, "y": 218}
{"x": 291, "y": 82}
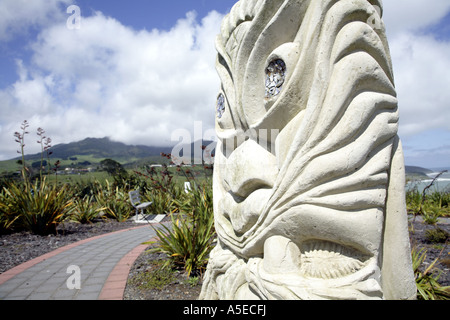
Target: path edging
{"x": 116, "y": 283}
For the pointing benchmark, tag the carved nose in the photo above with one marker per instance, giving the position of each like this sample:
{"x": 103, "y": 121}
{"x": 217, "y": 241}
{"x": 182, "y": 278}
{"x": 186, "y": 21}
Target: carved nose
{"x": 250, "y": 167}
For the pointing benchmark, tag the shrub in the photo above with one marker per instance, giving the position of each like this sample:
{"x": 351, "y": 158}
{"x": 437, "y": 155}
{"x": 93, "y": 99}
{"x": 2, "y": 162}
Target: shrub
{"x": 162, "y": 202}
{"x": 90, "y": 187}
{"x": 39, "y": 207}
{"x": 427, "y": 284}
{"x": 115, "y": 202}
{"x": 431, "y": 213}
{"x": 431, "y": 207}
{"x": 413, "y": 201}
{"x": 6, "y": 219}
{"x": 85, "y": 210}
{"x": 436, "y": 235}
{"x": 189, "y": 240}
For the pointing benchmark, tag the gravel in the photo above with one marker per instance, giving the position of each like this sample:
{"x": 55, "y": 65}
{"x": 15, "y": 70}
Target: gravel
{"x": 18, "y": 248}
{"x": 434, "y": 251}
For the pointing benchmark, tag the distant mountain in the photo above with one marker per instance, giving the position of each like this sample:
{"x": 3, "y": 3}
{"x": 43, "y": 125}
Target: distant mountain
{"x": 413, "y": 169}
{"x": 101, "y": 148}
{"x": 417, "y": 173}
{"x": 95, "y": 150}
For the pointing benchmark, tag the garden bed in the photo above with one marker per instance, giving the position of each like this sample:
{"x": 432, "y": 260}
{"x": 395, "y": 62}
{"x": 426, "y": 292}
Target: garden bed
{"x": 18, "y": 248}
{"x": 177, "y": 288}
{"x": 148, "y": 280}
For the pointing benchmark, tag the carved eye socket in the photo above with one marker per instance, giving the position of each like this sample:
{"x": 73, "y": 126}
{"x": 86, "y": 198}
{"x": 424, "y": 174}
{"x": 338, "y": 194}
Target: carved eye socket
{"x": 220, "y": 106}
{"x": 275, "y": 77}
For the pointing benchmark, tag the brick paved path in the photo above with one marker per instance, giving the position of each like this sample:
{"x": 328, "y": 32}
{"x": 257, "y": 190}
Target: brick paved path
{"x": 98, "y": 266}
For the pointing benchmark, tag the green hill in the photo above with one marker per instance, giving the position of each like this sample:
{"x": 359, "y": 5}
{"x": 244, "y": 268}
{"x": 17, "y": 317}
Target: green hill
{"x": 412, "y": 169}
{"x": 101, "y": 149}
{"x": 91, "y": 151}
{"x": 416, "y": 173}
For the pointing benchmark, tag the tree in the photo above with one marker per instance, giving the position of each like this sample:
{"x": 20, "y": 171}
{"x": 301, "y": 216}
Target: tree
{"x": 112, "y": 167}
{"x": 115, "y": 169}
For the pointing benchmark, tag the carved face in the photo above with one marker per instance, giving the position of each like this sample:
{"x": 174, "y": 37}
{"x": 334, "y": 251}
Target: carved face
{"x": 306, "y": 119}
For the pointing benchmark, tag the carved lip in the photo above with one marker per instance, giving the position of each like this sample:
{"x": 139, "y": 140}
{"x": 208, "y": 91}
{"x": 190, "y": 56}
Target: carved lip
{"x": 329, "y": 260}
{"x": 312, "y": 259}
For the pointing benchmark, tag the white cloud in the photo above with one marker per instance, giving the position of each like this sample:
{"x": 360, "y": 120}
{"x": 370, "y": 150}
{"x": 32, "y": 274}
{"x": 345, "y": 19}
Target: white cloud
{"x": 403, "y": 16}
{"x": 421, "y": 62}
{"x": 422, "y": 67}
{"x": 17, "y": 16}
{"x": 107, "y": 79}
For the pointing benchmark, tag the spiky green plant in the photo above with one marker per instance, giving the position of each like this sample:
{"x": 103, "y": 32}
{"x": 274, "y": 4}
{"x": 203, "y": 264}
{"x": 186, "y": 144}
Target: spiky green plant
{"x": 162, "y": 202}
{"x": 431, "y": 213}
{"x": 428, "y": 287}
{"x": 189, "y": 239}
{"x": 85, "y": 210}
{"x": 39, "y": 207}
{"x": 6, "y": 218}
{"x": 115, "y": 202}
{"x": 413, "y": 201}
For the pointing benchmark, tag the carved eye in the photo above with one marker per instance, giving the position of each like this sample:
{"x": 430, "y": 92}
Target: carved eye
{"x": 275, "y": 76}
{"x": 220, "y": 106}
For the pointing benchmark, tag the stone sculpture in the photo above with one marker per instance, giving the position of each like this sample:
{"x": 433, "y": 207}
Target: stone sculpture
{"x": 309, "y": 172}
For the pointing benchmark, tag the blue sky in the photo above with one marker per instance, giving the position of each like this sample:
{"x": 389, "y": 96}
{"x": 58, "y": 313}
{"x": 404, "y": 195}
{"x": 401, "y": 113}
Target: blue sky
{"x": 149, "y": 14}
{"x": 138, "y": 70}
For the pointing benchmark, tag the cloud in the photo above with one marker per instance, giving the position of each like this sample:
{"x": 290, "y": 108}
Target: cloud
{"x": 139, "y": 86}
{"x": 17, "y": 16}
{"x": 413, "y": 15}
{"x": 421, "y": 63}
{"x": 107, "y": 79}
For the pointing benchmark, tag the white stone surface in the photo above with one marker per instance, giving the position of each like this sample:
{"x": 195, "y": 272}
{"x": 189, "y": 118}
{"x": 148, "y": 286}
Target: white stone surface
{"x": 309, "y": 179}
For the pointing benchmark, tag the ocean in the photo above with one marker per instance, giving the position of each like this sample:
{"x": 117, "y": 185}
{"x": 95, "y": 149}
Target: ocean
{"x": 442, "y": 184}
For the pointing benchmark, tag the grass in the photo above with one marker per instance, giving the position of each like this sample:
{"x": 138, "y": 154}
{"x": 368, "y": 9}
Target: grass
{"x": 79, "y": 178}
{"x": 157, "y": 276}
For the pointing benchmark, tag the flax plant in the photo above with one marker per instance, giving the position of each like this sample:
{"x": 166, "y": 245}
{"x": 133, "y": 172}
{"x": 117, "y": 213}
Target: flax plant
{"x": 115, "y": 202}
{"x": 189, "y": 239}
{"x": 6, "y": 218}
{"x": 427, "y": 284}
{"x": 85, "y": 210}
{"x": 39, "y": 207}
